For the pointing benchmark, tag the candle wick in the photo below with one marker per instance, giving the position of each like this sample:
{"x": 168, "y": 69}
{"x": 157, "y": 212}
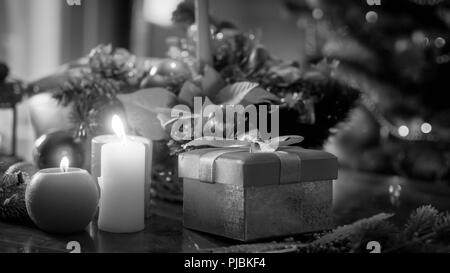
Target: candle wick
{"x": 64, "y": 165}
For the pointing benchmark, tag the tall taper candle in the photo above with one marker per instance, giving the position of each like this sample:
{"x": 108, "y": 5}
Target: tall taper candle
{"x": 204, "y": 52}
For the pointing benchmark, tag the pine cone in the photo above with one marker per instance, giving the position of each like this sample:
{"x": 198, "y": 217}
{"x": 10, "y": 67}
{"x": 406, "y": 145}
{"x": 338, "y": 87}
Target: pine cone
{"x": 16, "y": 214}
{"x": 12, "y": 198}
{"x": 11, "y": 184}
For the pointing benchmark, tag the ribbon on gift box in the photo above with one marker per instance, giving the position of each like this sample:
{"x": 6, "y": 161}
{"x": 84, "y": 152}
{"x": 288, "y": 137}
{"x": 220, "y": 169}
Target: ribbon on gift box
{"x": 296, "y": 164}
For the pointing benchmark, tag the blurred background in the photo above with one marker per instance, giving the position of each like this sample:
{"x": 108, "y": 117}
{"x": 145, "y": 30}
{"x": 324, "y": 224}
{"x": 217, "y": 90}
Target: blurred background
{"x": 396, "y": 54}
{"x": 36, "y": 37}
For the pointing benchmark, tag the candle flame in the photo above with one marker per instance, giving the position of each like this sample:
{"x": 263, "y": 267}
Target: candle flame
{"x": 118, "y": 127}
{"x": 64, "y": 165}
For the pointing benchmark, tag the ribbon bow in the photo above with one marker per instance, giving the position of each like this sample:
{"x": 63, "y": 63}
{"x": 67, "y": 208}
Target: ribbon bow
{"x": 254, "y": 144}
{"x": 290, "y": 167}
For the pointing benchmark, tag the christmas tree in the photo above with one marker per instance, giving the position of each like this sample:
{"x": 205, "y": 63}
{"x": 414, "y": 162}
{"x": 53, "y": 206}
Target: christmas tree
{"x": 397, "y": 54}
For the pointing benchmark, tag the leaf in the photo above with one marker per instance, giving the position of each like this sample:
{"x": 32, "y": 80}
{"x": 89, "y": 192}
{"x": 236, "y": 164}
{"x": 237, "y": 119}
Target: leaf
{"x": 211, "y": 83}
{"x": 188, "y": 92}
{"x": 214, "y": 87}
{"x": 142, "y": 108}
{"x": 245, "y": 93}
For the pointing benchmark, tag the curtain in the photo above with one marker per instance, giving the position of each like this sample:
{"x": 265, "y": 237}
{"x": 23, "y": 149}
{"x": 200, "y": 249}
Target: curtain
{"x": 95, "y": 22}
{"x": 37, "y": 36}
{"x": 30, "y": 45}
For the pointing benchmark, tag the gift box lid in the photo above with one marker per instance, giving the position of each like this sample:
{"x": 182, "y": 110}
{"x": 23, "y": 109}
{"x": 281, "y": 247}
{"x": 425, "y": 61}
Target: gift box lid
{"x": 243, "y": 168}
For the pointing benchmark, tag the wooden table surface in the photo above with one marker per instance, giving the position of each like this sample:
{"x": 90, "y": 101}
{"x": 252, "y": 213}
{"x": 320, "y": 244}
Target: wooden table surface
{"x": 356, "y": 195}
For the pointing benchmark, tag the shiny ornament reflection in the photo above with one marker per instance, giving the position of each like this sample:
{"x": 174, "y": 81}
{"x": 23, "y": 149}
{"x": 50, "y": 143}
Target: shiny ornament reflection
{"x": 51, "y": 148}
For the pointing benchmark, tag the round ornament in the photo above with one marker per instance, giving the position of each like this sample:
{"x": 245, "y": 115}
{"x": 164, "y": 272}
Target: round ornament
{"x": 51, "y": 148}
{"x": 169, "y": 73}
{"x": 62, "y": 201}
{"x": 173, "y": 69}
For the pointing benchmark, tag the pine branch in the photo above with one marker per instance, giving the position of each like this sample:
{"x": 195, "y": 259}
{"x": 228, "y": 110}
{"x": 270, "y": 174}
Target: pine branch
{"x": 345, "y": 232}
{"x": 417, "y": 236}
{"x": 421, "y": 221}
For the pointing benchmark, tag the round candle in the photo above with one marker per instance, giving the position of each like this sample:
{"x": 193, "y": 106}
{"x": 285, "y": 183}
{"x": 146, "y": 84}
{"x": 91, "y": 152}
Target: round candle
{"x": 62, "y": 200}
{"x": 122, "y": 183}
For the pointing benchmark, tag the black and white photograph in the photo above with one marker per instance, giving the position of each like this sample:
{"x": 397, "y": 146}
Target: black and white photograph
{"x": 217, "y": 129}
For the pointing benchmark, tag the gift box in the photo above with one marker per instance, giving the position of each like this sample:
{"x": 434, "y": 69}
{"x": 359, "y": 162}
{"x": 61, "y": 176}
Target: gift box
{"x": 248, "y": 196}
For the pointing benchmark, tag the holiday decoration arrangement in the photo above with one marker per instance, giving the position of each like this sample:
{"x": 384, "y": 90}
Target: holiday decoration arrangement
{"x": 106, "y": 119}
{"x": 223, "y": 66}
{"x": 239, "y": 70}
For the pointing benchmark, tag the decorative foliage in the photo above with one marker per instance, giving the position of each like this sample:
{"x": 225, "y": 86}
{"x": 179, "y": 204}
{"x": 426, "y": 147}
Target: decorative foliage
{"x": 93, "y": 87}
{"x": 421, "y": 222}
{"x": 142, "y": 108}
{"x": 423, "y": 233}
{"x": 117, "y": 65}
{"x": 312, "y": 102}
{"x": 309, "y": 99}
{"x": 212, "y": 86}
{"x": 91, "y": 97}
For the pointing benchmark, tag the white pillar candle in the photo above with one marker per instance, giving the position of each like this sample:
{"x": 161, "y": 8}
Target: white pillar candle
{"x": 204, "y": 52}
{"x": 96, "y": 150}
{"x": 122, "y": 184}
